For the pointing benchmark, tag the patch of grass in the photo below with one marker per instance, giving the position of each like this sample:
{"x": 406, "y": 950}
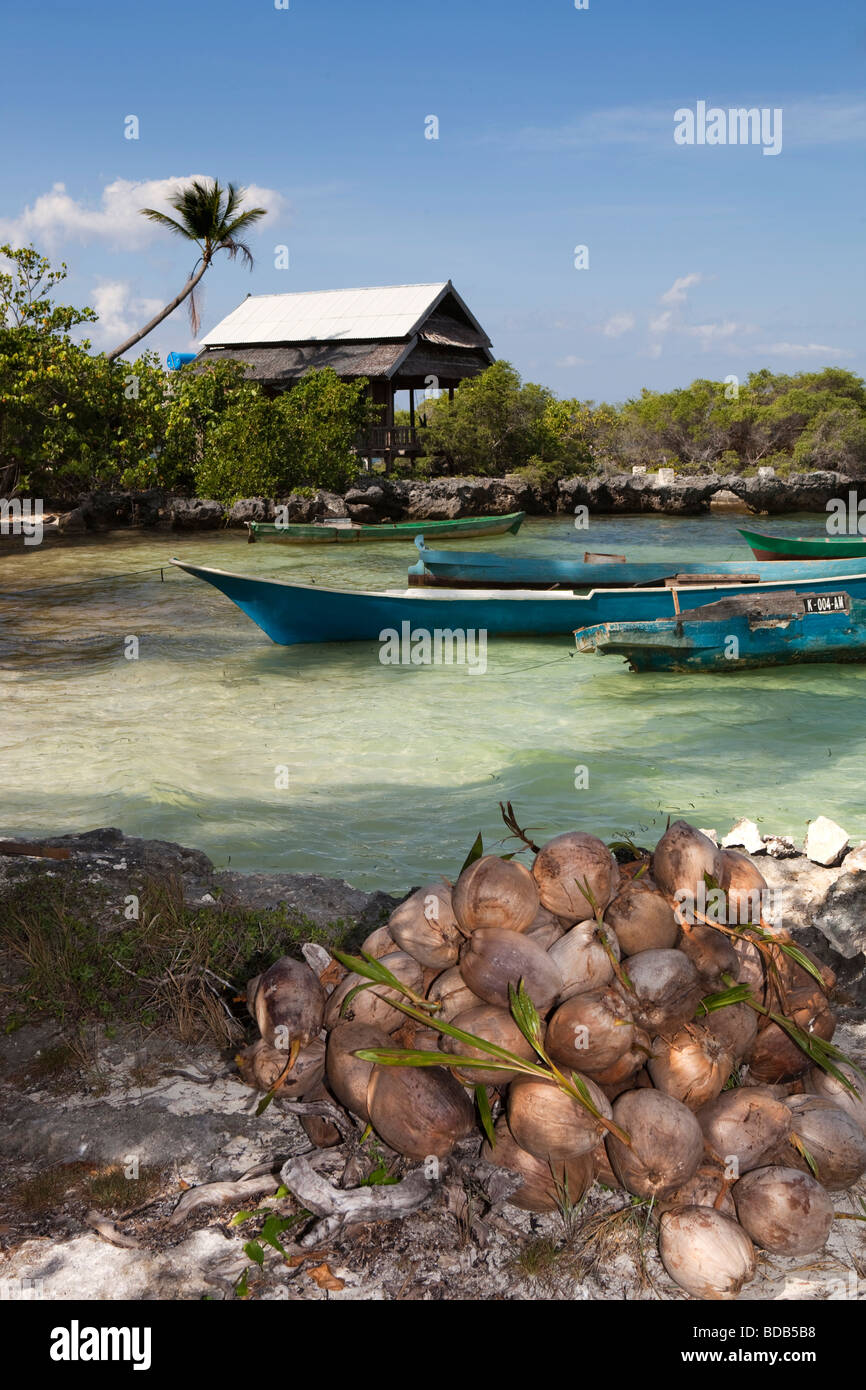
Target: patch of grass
{"x": 539, "y": 1258}
{"x": 106, "y": 1188}
{"x": 77, "y": 958}
{"x": 51, "y": 1063}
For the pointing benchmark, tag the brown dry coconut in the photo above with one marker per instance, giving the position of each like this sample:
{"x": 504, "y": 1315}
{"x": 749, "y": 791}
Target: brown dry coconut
{"x": 590, "y": 1032}
{"x": 743, "y": 1125}
{"x": 548, "y": 1123}
{"x": 348, "y": 1076}
{"x": 665, "y": 990}
{"x": 425, "y": 927}
{"x": 692, "y": 1066}
{"x": 682, "y": 859}
{"x": 642, "y": 918}
{"x": 494, "y": 892}
{"x": 783, "y": 1210}
{"x": 566, "y": 862}
{"x": 496, "y": 1026}
{"x": 545, "y": 1184}
{"x": 707, "y": 1254}
{"x": 582, "y": 960}
{"x": 666, "y": 1143}
{"x": 495, "y": 957}
{"x": 288, "y": 1003}
{"x": 420, "y": 1112}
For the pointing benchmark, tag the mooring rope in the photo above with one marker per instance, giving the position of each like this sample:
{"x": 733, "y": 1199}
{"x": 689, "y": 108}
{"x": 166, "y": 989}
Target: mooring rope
{"x": 75, "y": 583}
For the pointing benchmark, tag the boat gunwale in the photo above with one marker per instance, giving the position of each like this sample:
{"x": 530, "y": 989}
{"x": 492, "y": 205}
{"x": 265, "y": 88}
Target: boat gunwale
{"x": 464, "y": 595}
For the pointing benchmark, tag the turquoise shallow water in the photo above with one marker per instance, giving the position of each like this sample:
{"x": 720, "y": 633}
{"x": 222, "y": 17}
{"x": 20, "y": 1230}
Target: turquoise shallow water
{"x": 391, "y": 770}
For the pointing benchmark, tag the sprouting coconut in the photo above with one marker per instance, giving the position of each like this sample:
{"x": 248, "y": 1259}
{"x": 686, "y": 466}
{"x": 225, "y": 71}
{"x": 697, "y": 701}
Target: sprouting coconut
{"x": 496, "y": 1026}
{"x": 783, "y": 1210}
{"x": 288, "y": 1003}
{"x": 708, "y": 1187}
{"x": 568, "y": 862}
{"x": 371, "y": 1004}
{"x": 494, "y": 892}
{"x": 265, "y": 1067}
{"x": 425, "y": 927}
{"x": 707, "y": 1254}
{"x": 548, "y": 1123}
{"x": 590, "y": 1032}
{"x": 546, "y": 1186}
{"x": 495, "y": 957}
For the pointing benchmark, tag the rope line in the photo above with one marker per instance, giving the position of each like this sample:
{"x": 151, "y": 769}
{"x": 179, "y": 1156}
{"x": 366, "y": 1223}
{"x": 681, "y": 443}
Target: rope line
{"x": 74, "y": 583}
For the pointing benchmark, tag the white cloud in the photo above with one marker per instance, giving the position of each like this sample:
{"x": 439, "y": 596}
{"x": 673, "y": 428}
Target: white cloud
{"x": 571, "y": 361}
{"x": 120, "y": 313}
{"x": 116, "y": 219}
{"x": 662, "y": 323}
{"x": 832, "y": 120}
{"x": 677, "y": 292}
{"x": 618, "y": 324}
{"x": 709, "y": 332}
{"x": 800, "y": 350}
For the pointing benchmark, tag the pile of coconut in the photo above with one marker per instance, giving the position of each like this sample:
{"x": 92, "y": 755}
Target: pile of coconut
{"x": 590, "y": 1020}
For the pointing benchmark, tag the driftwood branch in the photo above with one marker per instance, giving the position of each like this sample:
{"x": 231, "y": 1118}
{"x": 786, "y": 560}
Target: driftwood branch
{"x": 324, "y": 1108}
{"x": 216, "y": 1193}
{"x": 336, "y": 1207}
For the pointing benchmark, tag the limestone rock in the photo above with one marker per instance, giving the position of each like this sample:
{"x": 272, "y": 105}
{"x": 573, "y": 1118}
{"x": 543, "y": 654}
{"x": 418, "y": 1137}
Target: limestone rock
{"x": 842, "y": 915}
{"x": 826, "y": 841}
{"x": 780, "y": 847}
{"x": 195, "y": 513}
{"x": 744, "y": 834}
{"x": 724, "y": 500}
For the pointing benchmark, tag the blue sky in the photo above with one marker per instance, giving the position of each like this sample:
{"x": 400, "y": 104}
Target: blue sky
{"x": 555, "y": 130}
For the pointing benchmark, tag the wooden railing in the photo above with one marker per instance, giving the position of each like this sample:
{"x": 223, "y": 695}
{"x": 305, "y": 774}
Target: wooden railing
{"x": 382, "y": 439}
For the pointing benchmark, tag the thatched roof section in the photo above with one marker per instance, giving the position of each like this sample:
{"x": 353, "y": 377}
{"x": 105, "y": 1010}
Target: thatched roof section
{"x": 276, "y": 366}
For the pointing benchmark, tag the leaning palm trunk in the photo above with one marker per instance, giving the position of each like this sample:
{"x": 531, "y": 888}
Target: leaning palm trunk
{"x": 163, "y": 314}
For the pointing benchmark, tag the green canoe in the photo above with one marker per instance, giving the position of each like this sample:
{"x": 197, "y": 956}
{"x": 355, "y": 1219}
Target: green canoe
{"x": 317, "y": 533}
{"x": 800, "y": 548}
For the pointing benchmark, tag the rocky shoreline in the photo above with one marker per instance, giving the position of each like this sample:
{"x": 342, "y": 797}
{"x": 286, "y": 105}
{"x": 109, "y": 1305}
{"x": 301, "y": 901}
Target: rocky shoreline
{"x": 377, "y": 498}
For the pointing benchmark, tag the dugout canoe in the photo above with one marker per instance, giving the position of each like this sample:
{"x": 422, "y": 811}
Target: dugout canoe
{"x": 324, "y": 533}
{"x": 292, "y": 613}
{"x": 739, "y": 633}
{"x": 804, "y": 548}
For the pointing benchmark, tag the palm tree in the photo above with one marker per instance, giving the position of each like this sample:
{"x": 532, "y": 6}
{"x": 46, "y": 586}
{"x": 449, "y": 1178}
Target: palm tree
{"x": 208, "y": 215}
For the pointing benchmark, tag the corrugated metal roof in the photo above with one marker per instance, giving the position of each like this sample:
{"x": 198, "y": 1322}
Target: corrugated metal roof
{"x": 391, "y": 311}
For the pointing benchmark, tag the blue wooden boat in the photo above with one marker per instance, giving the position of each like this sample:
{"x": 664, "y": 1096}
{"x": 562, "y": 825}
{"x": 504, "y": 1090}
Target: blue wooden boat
{"x": 291, "y": 613}
{"x": 466, "y": 569}
{"x": 739, "y": 633}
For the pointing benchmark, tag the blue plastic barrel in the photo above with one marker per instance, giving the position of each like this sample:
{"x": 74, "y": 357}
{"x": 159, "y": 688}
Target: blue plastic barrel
{"x": 176, "y": 360}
